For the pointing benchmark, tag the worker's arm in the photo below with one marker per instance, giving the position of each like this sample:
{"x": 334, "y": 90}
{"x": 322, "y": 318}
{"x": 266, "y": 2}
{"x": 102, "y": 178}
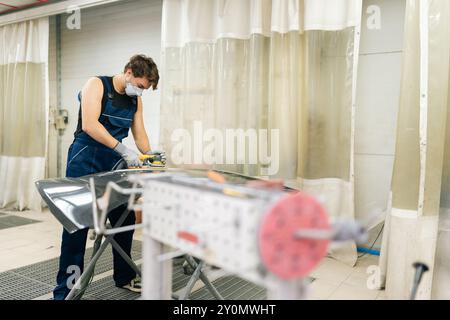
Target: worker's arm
{"x": 138, "y": 130}
{"x": 91, "y": 107}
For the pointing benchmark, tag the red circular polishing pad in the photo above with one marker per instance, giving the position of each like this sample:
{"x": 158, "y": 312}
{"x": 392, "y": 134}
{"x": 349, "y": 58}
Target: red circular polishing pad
{"x": 282, "y": 253}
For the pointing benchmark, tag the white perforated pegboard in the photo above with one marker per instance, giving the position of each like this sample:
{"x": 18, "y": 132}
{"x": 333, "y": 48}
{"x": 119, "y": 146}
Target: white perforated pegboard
{"x": 216, "y": 227}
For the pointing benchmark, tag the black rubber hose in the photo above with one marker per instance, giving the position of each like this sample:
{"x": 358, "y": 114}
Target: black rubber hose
{"x": 121, "y": 165}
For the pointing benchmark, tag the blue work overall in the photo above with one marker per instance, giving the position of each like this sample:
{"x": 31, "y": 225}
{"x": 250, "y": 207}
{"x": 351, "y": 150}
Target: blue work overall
{"x": 87, "y": 156}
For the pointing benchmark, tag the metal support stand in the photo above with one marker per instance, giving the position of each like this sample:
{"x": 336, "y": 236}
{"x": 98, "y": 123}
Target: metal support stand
{"x": 289, "y": 290}
{"x": 198, "y": 275}
{"x": 83, "y": 282}
{"x": 157, "y": 276}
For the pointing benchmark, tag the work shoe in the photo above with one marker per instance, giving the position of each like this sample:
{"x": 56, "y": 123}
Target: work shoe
{"x": 187, "y": 269}
{"x": 134, "y": 285}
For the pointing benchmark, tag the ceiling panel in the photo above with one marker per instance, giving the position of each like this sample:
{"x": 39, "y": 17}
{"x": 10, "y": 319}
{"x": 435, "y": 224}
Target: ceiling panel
{"x": 7, "y": 6}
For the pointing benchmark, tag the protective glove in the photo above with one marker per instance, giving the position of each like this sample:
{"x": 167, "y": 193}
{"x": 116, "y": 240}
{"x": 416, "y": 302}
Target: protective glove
{"x": 162, "y": 154}
{"x": 131, "y": 157}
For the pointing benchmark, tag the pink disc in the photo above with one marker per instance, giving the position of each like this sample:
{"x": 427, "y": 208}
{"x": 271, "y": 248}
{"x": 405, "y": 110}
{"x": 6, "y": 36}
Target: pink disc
{"x": 282, "y": 253}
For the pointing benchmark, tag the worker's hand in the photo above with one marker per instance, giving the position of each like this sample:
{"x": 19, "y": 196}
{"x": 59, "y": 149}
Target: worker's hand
{"x": 160, "y": 153}
{"x": 131, "y": 157}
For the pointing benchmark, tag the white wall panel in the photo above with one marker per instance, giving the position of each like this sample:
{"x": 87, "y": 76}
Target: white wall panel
{"x": 377, "y": 103}
{"x": 109, "y": 36}
{"x": 390, "y": 37}
{"x": 378, "y": 98}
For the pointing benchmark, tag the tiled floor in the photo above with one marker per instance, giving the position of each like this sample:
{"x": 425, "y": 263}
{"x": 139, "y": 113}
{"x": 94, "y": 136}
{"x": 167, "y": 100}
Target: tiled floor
{"x": 28, "y": 244}
{"x": 337, "y": 281}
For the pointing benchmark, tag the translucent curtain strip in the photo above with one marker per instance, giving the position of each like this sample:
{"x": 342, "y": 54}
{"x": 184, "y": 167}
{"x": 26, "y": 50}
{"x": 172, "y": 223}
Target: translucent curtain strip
{"x": 269, "y": 83}
{"x": 23, "y": 108}
{"x": 405, "y": 181}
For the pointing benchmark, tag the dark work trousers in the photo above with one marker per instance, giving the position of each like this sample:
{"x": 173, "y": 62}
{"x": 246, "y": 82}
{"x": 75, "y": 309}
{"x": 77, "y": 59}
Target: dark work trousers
{"x": 85, "y": 159}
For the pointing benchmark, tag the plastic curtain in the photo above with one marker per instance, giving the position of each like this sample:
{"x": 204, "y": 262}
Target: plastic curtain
{"x": 441, "y": 277}
{"x": 291, "y": 90}
{"x": 411, "y": 228}
{"x": 23, "y": 112}
{"x": 439, "y": 78}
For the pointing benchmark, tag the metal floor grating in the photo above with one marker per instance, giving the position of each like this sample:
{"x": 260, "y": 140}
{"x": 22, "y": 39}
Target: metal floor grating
{"x": 232, "y": 288}
{"x": 37, "y": 280}
{"x": 17, "y": 287}
{"x": 9, "y": 221}
{"x": 104, "y": 289}
{"x": 45, "y": 271}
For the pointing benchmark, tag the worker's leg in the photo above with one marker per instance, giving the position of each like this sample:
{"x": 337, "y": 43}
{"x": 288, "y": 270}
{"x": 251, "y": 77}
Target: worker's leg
{"x": 123, "y": 273}
{"x": 71, "y": 262}
{"x": 73, "y": 245}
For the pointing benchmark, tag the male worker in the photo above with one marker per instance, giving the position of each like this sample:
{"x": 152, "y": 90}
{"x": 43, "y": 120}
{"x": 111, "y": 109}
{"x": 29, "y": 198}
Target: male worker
{"x": 109, "y": 107}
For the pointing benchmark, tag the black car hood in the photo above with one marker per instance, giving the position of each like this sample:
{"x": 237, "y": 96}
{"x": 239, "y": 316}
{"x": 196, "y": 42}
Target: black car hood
{"x": 70, "y": 199}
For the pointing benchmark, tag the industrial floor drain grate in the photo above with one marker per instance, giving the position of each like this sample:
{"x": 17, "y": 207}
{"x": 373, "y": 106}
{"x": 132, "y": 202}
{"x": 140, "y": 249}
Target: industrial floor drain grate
{"x": 8, "y": 221}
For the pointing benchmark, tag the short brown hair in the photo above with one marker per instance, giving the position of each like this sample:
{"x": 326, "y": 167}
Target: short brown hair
{"x": 143, "y": 66}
